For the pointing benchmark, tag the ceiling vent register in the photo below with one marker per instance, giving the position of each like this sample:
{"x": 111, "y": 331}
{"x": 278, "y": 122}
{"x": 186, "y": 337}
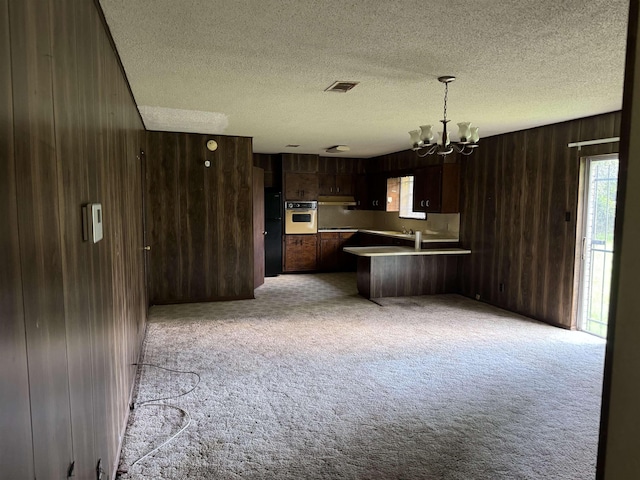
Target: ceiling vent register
{"x": 341, "y": 87}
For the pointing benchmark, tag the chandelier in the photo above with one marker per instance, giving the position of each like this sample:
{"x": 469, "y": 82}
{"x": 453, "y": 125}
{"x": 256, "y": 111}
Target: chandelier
{"x": 425, "y": 141}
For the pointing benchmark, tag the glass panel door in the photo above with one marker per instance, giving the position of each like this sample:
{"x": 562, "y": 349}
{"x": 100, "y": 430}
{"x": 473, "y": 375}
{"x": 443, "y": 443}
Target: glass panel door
{"x": 597, "y": 242}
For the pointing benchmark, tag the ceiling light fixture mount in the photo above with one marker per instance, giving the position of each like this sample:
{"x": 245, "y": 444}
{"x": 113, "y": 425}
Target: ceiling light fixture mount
{"x": 424, "y": 140}
{"x": 338, "y": 149}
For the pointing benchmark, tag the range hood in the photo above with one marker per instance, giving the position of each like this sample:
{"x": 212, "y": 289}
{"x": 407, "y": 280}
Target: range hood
{"x": 340, "y": 201}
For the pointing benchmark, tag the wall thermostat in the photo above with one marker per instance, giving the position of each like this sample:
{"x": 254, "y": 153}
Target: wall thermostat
{"x": 92, "y": 222}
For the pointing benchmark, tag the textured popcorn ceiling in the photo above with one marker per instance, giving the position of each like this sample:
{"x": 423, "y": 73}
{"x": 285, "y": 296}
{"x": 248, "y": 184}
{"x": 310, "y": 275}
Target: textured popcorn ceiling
{"x": 177, "y": 120}
{"x": 262, "y": 65}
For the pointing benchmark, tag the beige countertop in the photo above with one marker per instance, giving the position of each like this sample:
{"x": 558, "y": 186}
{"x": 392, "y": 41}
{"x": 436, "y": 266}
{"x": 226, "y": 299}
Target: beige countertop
{"x": 426, "y": 237}
{"x": 390, "y": 251}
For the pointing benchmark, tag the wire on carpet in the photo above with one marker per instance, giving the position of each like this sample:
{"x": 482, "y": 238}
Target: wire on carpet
{"x": 154, "y": 402}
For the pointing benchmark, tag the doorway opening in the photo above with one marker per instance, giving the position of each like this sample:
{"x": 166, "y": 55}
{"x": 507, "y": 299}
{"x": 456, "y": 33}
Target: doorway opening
{"x": 599, "y": 211}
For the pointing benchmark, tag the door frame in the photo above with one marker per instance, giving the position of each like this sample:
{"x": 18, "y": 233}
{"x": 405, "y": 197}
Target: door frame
{"x": 581, "y": 216}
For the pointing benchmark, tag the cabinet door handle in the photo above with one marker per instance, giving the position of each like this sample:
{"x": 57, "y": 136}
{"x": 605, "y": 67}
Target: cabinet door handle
{"x": 427, "y": 203}
{"x": 422, "y": 203}
{"x": 337, "y": 189}
{"x": 331, "y": 189}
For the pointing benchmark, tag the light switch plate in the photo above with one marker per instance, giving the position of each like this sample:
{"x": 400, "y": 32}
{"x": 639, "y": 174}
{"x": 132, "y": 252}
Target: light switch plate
{"x": 92, "y": 222}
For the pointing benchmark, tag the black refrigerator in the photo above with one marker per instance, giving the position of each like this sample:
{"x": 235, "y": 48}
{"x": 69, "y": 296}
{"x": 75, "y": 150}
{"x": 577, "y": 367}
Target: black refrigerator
{"x": 273, "y": 206}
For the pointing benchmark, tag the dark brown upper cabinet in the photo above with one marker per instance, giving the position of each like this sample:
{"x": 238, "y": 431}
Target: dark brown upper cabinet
{"x": 338, "y": 184}
{"x": 371, "y": 191}
{"x": 436, "y": 189}
{"x": 300, "y": 186}
{"x": 377, "y": 192}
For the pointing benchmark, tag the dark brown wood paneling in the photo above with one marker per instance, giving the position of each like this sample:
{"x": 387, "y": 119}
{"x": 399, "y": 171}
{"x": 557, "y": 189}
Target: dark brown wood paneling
{"x": 272, "y": 166}
{"x": 235, "y": 223}
{"x": 363, "y": 277}
{"x": 258, "y": 227}
{"x": 199, "y": 219}
{"x": 601, "y": 126}
{"x": 95, "y": 141}
{"x": 40, "y": 240}
{"x": 326, "y": 165}
{"x": 302, "y": 163}
{"x": 518, "y": 212}
{"x": 77, "y": 132}
{"x": 16, "y": 450}
{"x": 73, "y": 192}
{"x": 407, "y": 275}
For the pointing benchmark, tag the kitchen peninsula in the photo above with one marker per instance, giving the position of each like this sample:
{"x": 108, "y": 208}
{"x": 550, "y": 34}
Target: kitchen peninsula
{"x": 398, "y": 271}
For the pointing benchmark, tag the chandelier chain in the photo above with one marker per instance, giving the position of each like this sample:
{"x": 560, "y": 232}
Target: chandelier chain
{"x": 446, "y": 95}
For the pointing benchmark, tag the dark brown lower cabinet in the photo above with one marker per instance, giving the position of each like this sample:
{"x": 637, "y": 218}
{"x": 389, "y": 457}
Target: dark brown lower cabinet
{"x": 331, "y": 258}
{"x": 300, "y": 253}
{"x": 329, "y": 251}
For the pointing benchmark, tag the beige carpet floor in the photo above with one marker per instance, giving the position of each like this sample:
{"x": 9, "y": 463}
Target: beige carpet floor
{"x": 311, "y": 381}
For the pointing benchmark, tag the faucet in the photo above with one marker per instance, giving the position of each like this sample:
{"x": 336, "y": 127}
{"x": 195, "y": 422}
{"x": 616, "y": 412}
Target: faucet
{"x": 404, "y": 230}
{"x": 411, "y": 232}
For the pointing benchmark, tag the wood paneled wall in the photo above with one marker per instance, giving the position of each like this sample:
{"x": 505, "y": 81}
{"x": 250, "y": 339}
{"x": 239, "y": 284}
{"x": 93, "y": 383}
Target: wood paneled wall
{"x": 300, "y": 163}
{"x": 16, "y": 453}
{"x": 518, "y": 216}
{"x": 341, "y": 165}
{"x": 76, "y": 311}
{"x": 405, "y": 160}
{"x": 272, "y": 166}
{"x": 199, "y": 219}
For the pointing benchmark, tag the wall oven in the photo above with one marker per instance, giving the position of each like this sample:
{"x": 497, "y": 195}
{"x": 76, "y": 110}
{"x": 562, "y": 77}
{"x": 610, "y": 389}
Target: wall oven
{"x": 300, "y": 217}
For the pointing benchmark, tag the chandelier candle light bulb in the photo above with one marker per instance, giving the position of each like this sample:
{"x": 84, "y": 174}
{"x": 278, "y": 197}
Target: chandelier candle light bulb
{"x": 464, "y": 132}
{"x": 423, "y": 140}
{"x": 426, "y": 134}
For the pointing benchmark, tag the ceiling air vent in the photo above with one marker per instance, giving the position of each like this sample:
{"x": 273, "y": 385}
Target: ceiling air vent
{"x": 291, "y": 145}
{"x": 341, "y": 87}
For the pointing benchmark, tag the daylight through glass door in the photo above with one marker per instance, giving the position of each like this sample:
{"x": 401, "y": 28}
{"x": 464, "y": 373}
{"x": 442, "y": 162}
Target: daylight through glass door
{"x": 597, "y": 248}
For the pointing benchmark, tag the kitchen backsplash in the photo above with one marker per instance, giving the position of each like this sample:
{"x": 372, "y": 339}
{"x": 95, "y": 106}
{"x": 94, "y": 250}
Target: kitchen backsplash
{"x": 335, "y": 216}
